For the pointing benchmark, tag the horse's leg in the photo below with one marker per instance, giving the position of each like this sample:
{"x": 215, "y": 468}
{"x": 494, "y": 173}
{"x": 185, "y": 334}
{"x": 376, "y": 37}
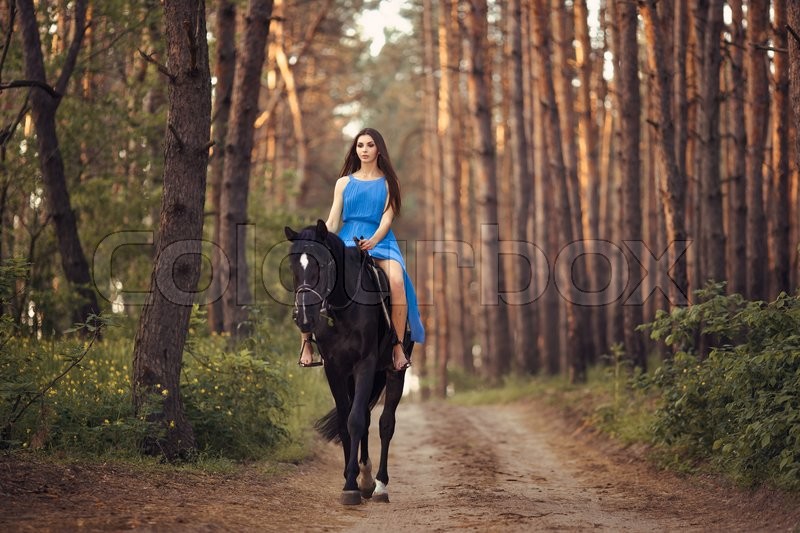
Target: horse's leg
{"x": 356, "y": 426}
{"x": 366, "y": 483}
{"x": 394, "y": 392}
{"x": 341, "y": 397}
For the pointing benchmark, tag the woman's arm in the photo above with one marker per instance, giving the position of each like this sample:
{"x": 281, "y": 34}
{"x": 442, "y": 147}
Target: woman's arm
{"x": 380, "y": 233}
{"x": 335, "y": 216}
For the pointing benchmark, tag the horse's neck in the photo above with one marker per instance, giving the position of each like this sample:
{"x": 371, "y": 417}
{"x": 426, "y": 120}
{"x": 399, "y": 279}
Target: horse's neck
{"x": 348, "y": 278}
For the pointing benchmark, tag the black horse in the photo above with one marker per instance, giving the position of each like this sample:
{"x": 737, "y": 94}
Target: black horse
{"x": 339, "y": 300}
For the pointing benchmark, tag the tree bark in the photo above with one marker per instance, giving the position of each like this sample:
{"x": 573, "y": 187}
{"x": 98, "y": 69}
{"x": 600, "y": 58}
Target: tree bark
{"x": 159, "y": 343}
{"x": 433, "y": 160}
{"x": 779, "y": 227}
{"x": 302, "y": 178}
{"x": 793, "y": 44}
{"x": 673, "y": 183}
{"x": 526, "y": 360}
{"x": 496, "y": 347}
{"x": 631, "y": 167}
{"x": 612, "y": 209}
{"x": 43, "y": 110}
{"x": 576, "y": 357}
{"x": 588, "y": 164}
{"x": 224, "y": 71}
{"x": 709, "y": 139}
{"x": 756, "y": 124}
{"x": 737, "y": 218}
{"x": 550, "y": 303}
{"x": 236, "y": 172}
{"x": 446, "y": 135}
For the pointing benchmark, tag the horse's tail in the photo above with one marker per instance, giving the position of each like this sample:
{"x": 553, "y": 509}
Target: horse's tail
{"x": 328, "y": 425}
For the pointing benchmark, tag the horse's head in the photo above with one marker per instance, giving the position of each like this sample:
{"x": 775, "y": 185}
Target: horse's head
{"x": 314, "y": 270}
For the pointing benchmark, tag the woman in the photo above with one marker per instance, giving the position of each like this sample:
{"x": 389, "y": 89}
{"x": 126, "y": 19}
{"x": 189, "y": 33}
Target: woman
{"x": 367, "y": 199}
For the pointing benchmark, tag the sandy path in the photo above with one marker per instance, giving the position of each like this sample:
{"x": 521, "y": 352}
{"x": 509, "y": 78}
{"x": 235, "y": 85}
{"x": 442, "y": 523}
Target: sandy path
{"x": 493, "y": 468}
{"x": 511, "y": 468}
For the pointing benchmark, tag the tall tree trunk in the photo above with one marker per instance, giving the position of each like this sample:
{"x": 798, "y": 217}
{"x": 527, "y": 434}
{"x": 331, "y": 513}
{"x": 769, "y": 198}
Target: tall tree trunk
{"x": 694, "y": 170}
{"x": 526, "y": 353}
{"x": 756, "y": 124}
{"x": 158, "y": 348}
{"x": 673, "y": 183}
{"x": 588, "y": 169}
{"x": 433, "y": 161}
{"x": 612, "y": 211}
{"x": 565, "y": 101}
{"x": 496, "y": 346}
{"x": 680, "y": 102}
{"x": 779, "y": 227}
{"x": 293, "y": 98}
{"x": 224, "y": 71}
{"x": 737, "y": 219}
{"x": 576, "y": 357}
{"x": 793, "y": 43}
{"x": 43, "y": 109}
{"x": 236, "y": 172}
{"x": 631, "y": 193}
{"x": 473, "y": 315}
{"x": 549, "y": 304}
{"x": 709, "y": 138}
{"x": 446, "y": 140}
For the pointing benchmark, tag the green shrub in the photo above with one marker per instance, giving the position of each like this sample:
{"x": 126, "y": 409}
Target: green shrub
{"x": 235, "y": 397}
{"x": 244, "y": 401}
{"x": 67, "y": 395}
{"x": 740, "y": 404}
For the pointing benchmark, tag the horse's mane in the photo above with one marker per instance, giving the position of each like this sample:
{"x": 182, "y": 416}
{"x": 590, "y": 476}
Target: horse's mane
{"x": 341, "y": 252}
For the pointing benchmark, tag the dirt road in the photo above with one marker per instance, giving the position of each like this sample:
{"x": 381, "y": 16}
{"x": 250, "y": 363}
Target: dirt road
{"x": 493, "y": 468}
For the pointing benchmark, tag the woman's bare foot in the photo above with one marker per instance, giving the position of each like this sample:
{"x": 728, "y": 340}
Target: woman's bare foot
{"x": 400, "y": 361}
{"x": 307, "y": 354}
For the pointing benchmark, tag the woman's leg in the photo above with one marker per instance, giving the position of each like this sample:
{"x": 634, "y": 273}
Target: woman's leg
{"x": 397, "y": 287}
{"x": 306, "y": 349}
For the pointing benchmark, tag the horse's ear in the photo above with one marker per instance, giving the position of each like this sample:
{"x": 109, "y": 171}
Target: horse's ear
{"x": 322, "y": 229}
{"x": 290, "y": 233}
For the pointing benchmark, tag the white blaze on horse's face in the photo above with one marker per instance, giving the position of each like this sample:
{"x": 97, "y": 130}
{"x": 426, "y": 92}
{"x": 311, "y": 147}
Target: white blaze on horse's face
{"x": 304, "y": 261}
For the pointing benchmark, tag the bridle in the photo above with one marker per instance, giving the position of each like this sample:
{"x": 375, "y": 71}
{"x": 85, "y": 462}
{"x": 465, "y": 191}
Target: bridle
{"x": 327, "y": 272}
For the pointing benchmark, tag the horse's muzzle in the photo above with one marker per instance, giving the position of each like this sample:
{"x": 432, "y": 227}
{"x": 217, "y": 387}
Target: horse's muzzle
{"x": 305, "y": 317}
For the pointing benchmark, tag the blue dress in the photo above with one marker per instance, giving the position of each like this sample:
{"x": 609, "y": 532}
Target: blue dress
{"x": 364, "y": 202}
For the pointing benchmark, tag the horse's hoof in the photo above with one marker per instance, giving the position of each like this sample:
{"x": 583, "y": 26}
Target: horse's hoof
{"x": 380, "y": 494}
{"x": 383, "y": 497}
{"x": 366, "y": 483}
{"x": 367, "y": 492}
{"x": 351, "y": 497}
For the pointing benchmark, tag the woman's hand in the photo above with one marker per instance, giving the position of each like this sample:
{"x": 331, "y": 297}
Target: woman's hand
{"x": 366, "y": 244}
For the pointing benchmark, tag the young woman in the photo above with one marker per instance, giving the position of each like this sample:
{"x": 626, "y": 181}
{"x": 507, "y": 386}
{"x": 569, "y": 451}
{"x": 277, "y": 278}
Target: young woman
{"x": 366, "y": 199}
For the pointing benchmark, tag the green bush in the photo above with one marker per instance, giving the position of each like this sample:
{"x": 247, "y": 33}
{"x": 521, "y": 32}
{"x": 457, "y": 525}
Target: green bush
{"x": 67, "y": 395}
{"x": 235, "y": 398}
{"x": 740, "y": 404}
{"x": 243, "y": 401}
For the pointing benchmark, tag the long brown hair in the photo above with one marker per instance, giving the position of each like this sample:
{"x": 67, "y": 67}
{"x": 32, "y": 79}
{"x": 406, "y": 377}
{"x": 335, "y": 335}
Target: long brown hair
{"x": 352, "y": 163}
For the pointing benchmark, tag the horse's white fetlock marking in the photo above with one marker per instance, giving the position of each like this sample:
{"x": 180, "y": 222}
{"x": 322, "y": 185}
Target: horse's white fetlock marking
{"x": 380, "y": 488}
